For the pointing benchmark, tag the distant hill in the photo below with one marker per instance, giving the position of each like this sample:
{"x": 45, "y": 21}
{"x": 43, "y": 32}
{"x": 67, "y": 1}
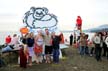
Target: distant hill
{"x": 98, "y": 29}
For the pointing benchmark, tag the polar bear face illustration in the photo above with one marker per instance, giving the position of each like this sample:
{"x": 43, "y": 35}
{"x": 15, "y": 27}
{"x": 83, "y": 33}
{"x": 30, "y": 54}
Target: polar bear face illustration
{"x": 40, "y": 12}
{"x": 40, "y": 18}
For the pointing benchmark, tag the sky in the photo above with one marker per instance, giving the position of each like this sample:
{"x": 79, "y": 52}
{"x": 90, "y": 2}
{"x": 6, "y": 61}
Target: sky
{"x": 93, "y": 12}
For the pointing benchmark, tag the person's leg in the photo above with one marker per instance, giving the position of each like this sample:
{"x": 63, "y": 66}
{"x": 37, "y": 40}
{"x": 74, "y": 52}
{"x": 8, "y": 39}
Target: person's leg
{"x": 37, "y": 60}
{"x": 57, "y": 56}
{"x": 92, "y": 51}
{"x": 100, "y": 50}
{"x": 25, "y": 62}
{"x": 56, "y": 59}
{"x": 50, "y": 52}
{"x": 86, "y": 49}
{"x": 46, "y": 53}
{"x": 107, "y": 52}
{"x": 0, "y": 63}
{"x": 54, "y": 55}
{"x": 70, "y": 41}
{"x": 30, "y": 60}
{"x": 96, "y": 52}
{"x": 104, "y": 49}
{"x": 31, "y": 53}
{"x": 80, "y": 49}
{"x": 83, "y": 50}
{"x": 40, "y": 58}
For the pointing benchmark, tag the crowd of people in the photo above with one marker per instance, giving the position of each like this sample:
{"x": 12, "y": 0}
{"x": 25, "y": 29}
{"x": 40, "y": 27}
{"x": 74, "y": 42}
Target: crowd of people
{"x": 31, "y": 45}
{"x": 97, "y": 46}
{"x": 100, "y": 41}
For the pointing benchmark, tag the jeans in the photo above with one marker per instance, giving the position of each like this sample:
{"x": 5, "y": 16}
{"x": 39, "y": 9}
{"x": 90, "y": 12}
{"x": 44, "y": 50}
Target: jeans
{"x": 98, "y": 52}
{"x": 82, "y": 50}
{"x": 92, "y": 51}
{"x": 104, "y": 49}
{"x": 86, "y": 50}
{"x": 56, "y": 55}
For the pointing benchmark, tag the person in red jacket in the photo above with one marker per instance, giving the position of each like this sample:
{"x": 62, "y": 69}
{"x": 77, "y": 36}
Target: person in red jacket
{"x": 79, "y": 23}
{"x": 8, "y": 39}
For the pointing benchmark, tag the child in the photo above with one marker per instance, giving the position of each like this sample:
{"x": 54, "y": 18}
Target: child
{"x": 23, "y": 57}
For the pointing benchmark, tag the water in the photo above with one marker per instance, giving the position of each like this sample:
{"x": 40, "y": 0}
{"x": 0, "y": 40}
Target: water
{"x": 4, "y": 34}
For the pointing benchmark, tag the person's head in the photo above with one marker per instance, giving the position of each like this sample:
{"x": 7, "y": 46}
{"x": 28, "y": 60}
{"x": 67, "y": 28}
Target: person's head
{"x": 47, "y": 31}
{"x": 14, "y": 35}
{"x": 53, "y": 33}
{"x": 61, "y": 34}
{"x": 104, "y": 33}
{"x": 30, "y": 35}
{"x": 96, "y": 34}
{"x": 21, "y": 46}
{"x": 9, "y": 36}
{"x": 82, "y": 34}
{"x": 39, "y": 32}
{"x": 99, "y": 34}
{"x": 78, "y": 16}
{"x": 25, "y": 36}
{"x": 86, "y": 36}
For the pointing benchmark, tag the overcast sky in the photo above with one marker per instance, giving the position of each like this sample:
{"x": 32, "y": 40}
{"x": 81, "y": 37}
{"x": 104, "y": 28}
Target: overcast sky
{"x": 93, "y": 12}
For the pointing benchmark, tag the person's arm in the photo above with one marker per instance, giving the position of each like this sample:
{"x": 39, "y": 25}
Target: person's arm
{"x": 80, "y": 40}
{"x": 59, "y": 38}
{"x": 94, "y": 40}
{"x": 106, "y": 41}
{"x": 35, "y": 39}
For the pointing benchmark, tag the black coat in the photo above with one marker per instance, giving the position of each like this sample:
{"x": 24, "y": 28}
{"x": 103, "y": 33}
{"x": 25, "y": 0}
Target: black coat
{"x": 55, "y": 42}
{"x": 30, "y": 42}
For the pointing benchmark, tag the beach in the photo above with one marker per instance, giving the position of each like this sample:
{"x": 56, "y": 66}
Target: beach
{"x": 71, "y": 61}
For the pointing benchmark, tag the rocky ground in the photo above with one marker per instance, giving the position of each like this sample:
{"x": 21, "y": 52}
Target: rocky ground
{"x": 72, "y": 61}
